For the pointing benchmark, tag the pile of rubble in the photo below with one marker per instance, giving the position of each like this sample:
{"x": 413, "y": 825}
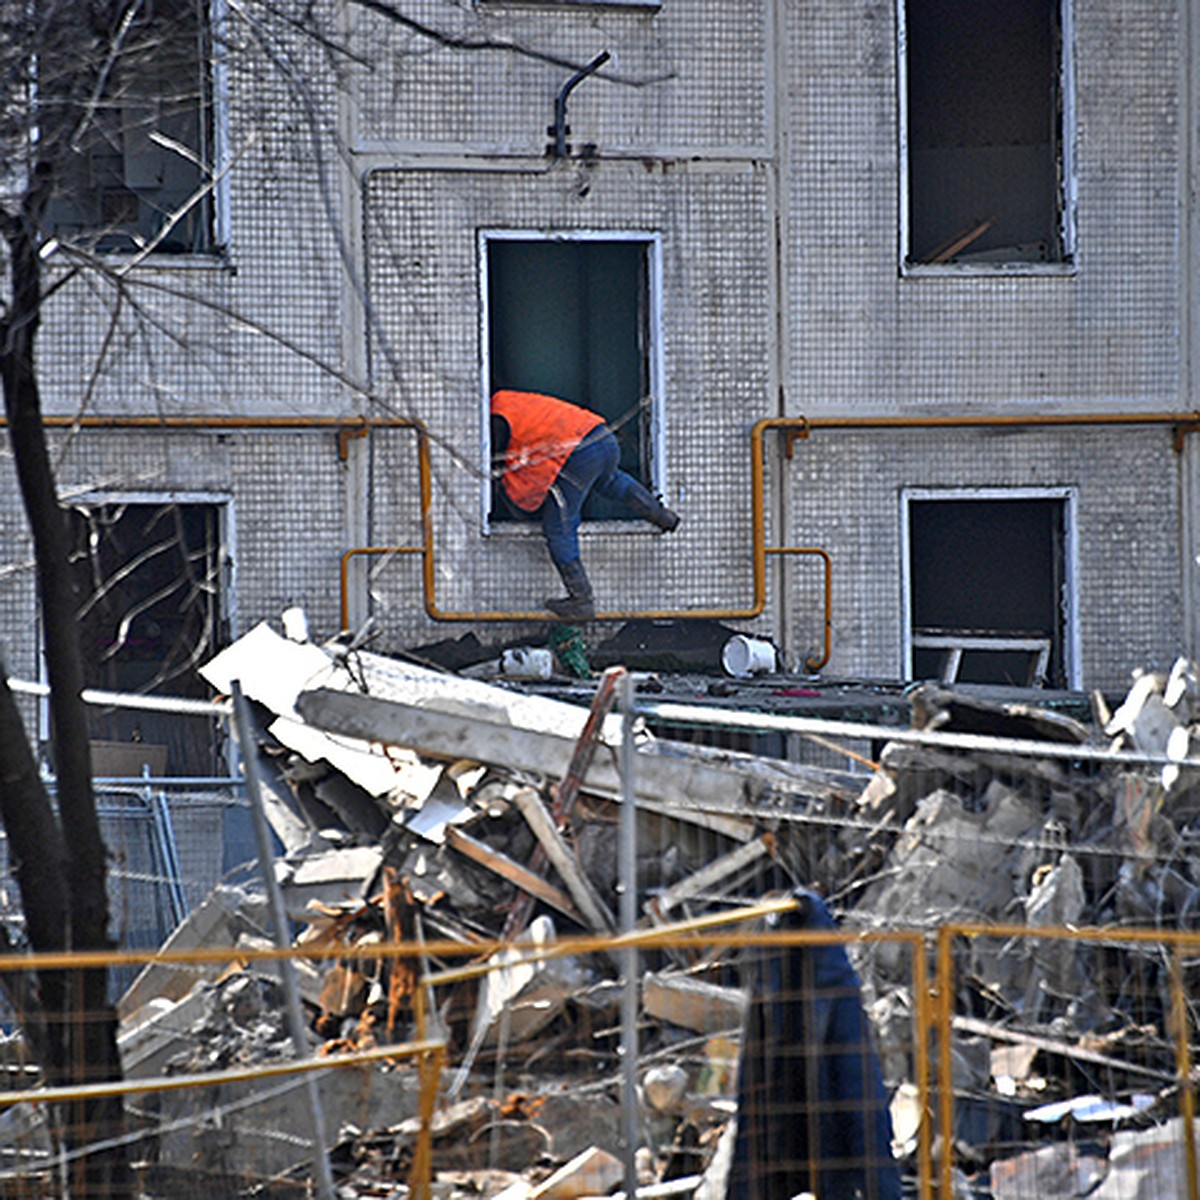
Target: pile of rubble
{"x": 418, "y": 807}
{"x": 1059, "y": 1040}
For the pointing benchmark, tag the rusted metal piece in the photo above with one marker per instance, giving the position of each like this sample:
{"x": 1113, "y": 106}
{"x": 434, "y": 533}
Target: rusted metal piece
{"x": 398, "y": 909}
{"x": 567, "y": 791}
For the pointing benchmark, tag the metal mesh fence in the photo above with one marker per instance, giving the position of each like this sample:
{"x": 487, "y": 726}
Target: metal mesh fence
{"x": 913, "y": 962}
{"x": 762, "y": 1069}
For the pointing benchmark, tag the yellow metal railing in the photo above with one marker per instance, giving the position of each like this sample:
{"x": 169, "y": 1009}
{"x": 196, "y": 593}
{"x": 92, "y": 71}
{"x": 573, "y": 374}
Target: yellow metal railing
{"x": 1173, "y": 943}
{"x": 758, "y": 548}
{"x": 795, "y": 428}
{"x": 933, "y": 1028}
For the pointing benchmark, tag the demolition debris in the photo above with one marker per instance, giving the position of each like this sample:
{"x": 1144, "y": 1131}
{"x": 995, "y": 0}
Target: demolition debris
{"x": 421, "y": 808}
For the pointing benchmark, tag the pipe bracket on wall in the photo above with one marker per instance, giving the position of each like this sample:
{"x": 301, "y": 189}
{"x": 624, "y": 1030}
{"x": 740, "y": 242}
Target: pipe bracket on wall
{"x": 559, "y": 130}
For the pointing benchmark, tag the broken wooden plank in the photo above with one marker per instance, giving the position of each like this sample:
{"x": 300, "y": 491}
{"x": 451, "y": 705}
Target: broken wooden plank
{"x": 565, "y": 796}
{"x": 514, "y": 872}
{"x": 1057, "y": 1046}
{"x": 563, "y": 860}
{"x": 585, "y": 747}
{"x": 591, "y": 1173}
{"x": 659, "y": 907}
{"x": 960, "y": 241}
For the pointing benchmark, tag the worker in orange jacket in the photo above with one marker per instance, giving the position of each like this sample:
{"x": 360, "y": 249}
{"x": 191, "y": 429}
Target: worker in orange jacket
{"x": 551, "y": 455}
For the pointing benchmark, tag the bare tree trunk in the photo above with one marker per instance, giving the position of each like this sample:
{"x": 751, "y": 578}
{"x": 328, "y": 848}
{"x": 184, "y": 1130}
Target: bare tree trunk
{"x": 40, "y": 865}
{"x": 88, "y": 1049}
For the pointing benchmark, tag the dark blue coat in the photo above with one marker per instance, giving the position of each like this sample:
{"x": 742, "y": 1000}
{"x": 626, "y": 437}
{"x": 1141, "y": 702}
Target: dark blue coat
{"x": 812, "y": 1107}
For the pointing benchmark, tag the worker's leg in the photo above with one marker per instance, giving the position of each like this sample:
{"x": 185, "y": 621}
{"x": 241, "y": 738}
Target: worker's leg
{"x": 622, "y": 487}
{"x": 594, "y": 458}
{"x": 562, "y": 513}
{"x": 579, "y": 603}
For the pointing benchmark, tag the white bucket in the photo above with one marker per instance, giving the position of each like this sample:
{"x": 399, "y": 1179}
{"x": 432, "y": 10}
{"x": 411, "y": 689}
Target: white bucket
{"x": 527, "y": 662}
{"x": 744, "y": 656}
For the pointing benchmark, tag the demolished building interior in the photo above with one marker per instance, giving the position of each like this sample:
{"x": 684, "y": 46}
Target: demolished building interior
{"x": 469, "y": 818}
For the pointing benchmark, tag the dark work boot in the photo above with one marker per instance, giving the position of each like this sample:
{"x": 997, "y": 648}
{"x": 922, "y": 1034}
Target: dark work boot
{"x": 650, "y": 508}
{"x": 577, "y": 604}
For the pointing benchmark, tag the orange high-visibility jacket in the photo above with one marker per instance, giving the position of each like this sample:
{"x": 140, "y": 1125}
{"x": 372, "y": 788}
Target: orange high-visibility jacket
{"x": 544, "y": 432}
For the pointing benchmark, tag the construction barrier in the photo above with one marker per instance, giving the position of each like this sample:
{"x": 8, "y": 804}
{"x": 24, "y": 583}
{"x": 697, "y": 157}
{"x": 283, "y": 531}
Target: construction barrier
{"x": 861, "y": 960}
{"x": 827, "y": 1042}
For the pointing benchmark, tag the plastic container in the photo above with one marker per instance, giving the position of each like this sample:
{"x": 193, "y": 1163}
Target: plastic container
{"x": 745, "y": 656}
{"x": 527, "y": 662}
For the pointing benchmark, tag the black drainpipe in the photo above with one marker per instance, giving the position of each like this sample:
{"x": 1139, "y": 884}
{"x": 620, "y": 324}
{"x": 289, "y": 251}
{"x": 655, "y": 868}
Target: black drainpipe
{"x": 559, "y": 129}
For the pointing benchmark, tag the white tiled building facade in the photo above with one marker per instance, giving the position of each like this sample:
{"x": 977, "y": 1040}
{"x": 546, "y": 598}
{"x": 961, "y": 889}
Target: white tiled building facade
{"x": 745, "y": 224}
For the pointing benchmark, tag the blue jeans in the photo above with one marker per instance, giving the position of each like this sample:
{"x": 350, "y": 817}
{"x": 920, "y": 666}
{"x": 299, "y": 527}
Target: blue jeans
{"x": 592, "y": 466}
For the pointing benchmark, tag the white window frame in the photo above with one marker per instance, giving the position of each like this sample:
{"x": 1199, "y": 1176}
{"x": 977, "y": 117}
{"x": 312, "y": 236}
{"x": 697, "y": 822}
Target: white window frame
{"x": 218, "y": 16}
{"x": 656, "y": 370}
{"x": 1069, "y": 184}
{"x": 220, "y": 154}
{"x": 1069, "y": 606}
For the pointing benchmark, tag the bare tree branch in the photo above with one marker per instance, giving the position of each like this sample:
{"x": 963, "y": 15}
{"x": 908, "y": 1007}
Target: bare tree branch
{"x": 454, "y": 41}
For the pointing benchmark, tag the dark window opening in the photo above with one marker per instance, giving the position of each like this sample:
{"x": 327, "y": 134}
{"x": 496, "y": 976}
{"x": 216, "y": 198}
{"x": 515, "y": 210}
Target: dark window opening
{"x": 571, "y": 319}
{"x": 987, "y": 586}
{"x": 136, "y": 174}
{"x": 148, "y": 581}
{"x": 984, "y": 120}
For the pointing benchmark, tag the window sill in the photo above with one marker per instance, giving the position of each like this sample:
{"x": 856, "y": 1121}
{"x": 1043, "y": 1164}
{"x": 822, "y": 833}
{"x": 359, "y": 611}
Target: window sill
{"x": 987, "y": 270}
{"x": 212, "y": 260}
{"x": 533, "y": 529}
{"x": 642, "y": 5}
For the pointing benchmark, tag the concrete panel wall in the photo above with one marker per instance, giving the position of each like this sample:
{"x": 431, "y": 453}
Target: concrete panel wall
{"x": 846, "y": 489}
{"x": 862, "y": 337}
{"x": 716, "y": 330}
{"x": 684, "y": 78}
{"x": 758, "y": 142}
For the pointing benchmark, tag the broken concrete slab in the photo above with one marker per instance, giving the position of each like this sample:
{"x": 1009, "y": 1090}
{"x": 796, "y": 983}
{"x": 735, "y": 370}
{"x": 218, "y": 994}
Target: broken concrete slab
{"x": 1142, "y": 1164}
{"x": 1063, "y": 1170}
{"x": 259, "y": 1130}
{"x": 692, "y": 1003}
{"x": 590, "y": 1173}
{"x": 250, "y": 1127}
{"x": 272, "y": 671}
{"x": 665, "y": 1086}
{"x": 946, "y": 864}
{"x": 957, "y": 710}
{"x": 575, "y": 1120}
{"x": 473, "y": 1134}
{"x": 1056, "y": 898}
{"x": 226, "y": 914}
{"x": 162, "y": 1030}
{"x": 332, "y": 877}
{"x": 687, "y": 782}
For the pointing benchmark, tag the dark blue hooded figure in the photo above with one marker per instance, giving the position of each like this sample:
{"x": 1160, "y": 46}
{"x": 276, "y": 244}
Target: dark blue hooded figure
{"x": 812, "y": 1108}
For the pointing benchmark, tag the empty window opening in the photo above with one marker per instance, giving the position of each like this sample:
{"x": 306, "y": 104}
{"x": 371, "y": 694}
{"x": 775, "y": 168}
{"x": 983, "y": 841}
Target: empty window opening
{"x": 986, "y": 154}
{"x": 572, "y": 317}
{"x": 148, "y": 580}
{"x": 989, "y": 590}
{"x": 136, "y": 170}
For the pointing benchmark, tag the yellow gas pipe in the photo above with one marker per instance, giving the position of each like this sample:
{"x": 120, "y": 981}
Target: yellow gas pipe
{"x": 794, "y": 427}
